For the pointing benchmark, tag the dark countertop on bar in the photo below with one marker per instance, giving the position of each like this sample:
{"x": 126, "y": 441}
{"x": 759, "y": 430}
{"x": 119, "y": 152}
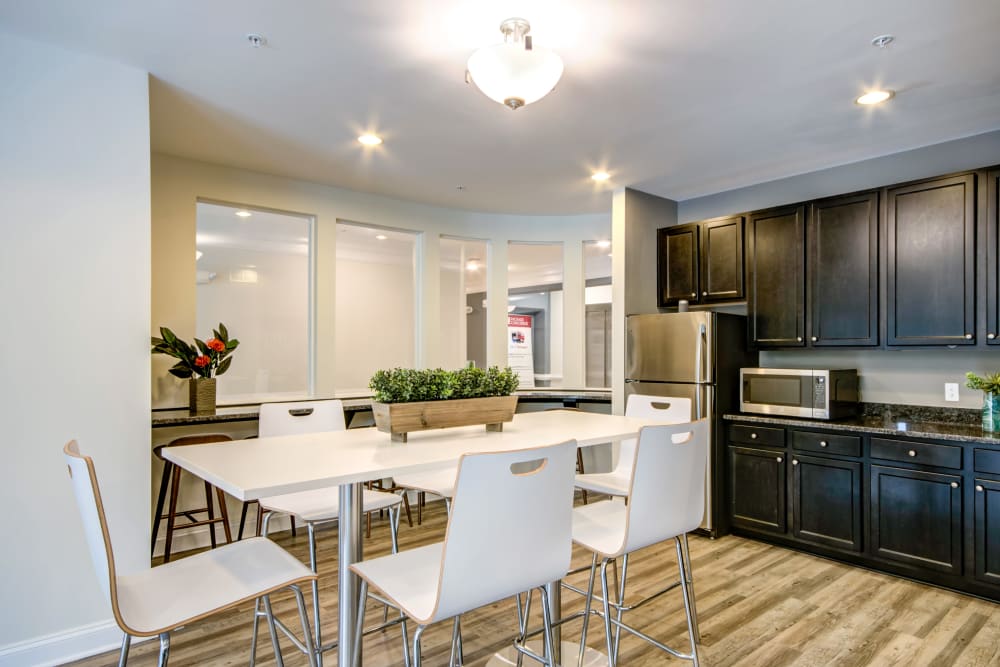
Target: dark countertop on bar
{"x": 957, "y": 424}
{"x": 163, "y": 417}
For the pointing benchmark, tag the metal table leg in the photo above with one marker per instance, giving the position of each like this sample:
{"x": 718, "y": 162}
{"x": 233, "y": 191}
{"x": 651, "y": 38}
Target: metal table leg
{"x": 349, "y": 550}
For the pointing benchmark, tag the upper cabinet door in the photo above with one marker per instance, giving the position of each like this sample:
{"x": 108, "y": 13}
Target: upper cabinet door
{"x": 993, "y": 258}
{"x": 843, "y": 271}
{"x": 776, "y": 291}
{"x": 931, "y": 255}
{"x": 677, "y": 264}
{"x": 722, "y": 259}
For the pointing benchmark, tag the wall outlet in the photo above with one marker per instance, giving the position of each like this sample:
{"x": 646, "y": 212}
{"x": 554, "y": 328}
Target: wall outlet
{"x": 951, "y": 391}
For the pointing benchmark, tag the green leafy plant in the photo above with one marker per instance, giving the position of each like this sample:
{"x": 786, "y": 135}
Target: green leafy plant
{"x": 405, "y": 385}
{"x": 989, "y": 384}
{"x": 203, "y": 359}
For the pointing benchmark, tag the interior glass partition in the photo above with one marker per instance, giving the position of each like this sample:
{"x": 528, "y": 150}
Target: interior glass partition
{"x": 253, "y": 275}
{"x": 463, "y": 301}
{"x": 535, "y": 312}
{"x": 374, "y": 319}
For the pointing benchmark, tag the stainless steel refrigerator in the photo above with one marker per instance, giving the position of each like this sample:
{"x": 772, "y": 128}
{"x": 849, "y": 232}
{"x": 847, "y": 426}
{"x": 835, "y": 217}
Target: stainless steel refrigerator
{"x": 696, "y": 355}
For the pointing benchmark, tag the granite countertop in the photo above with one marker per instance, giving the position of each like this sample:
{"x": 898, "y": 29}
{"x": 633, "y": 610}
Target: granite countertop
{"x": 960, "y": 425}
{"x": 236, "y": 413}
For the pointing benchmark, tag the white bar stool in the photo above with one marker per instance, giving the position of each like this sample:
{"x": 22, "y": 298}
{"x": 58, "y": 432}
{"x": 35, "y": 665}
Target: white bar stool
{"x": 666, "y": 500}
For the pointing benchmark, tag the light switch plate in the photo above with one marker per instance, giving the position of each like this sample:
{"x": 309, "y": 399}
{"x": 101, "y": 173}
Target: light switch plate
{"x": 951, "y": 391}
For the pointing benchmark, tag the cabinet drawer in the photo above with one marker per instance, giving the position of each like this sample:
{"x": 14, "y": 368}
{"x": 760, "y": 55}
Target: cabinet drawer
{"x": 827, "y": 443}
{"x": 757, "y": 435}
{"x": 987, "y": 460}
{"x": 944, "y": 456}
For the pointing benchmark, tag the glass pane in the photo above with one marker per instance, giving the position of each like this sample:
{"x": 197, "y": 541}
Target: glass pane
{"x": 374, "y": 319}
{"x": 463, "y": 302}
{"x": 597, "y": 271}
{"x": 535, "y": 297}
{"x": 253, "y": 276}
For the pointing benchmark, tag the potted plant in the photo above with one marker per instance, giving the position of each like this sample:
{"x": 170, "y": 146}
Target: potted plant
{"x": 990, "y": 386}
{"x": 199, "y": 363}
{"x": 408, "y": 399}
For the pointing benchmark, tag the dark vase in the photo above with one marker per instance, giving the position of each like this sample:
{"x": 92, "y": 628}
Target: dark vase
{"x": 201, "y": 395}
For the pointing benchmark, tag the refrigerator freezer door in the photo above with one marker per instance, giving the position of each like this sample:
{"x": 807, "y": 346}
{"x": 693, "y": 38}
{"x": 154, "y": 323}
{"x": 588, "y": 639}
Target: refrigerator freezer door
{"x": 669, "y": 347}
{"x": 702, "y": 406}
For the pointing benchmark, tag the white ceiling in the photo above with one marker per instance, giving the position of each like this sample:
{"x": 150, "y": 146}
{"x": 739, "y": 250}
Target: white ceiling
{"x": 680, "y": 99}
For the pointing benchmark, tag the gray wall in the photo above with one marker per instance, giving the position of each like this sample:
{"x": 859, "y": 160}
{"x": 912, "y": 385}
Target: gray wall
{"x": 914, "y": 377}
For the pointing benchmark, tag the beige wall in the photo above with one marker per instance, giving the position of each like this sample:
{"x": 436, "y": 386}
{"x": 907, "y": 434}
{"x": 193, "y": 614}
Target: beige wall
{"x": 178, "y": 183}
{"x": 74, "y": 363}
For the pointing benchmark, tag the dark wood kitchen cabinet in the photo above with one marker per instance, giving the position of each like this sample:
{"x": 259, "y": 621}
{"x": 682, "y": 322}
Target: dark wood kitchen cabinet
{"x": 992, "y": 240}
{"x": 677, "y": 264}
{"x": 842, "y": 271}
{"x": 916, "y": 518}
{"x": 701, "y": 262}
{"x": 931, "y": 262}
{"x": 721, "y": 260}
{"x": 987, "y": 520}
{"x": 757, "y": 489}
{"x": 776, "y": 277}
{"x": 826, "y": 502}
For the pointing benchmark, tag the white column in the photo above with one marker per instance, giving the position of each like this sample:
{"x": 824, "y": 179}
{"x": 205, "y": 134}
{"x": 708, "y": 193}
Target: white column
{"x": 496, "y": 303}
{"x": 427, "y": 300}
{"x": 574, "y": 362}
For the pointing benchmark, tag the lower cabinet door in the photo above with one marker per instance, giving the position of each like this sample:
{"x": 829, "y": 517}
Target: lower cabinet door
{"x": 826, "y": 502}
{"x": 757, "y": 488}
{"x": 987, "y": 519}
{"x": 916, "y": 518}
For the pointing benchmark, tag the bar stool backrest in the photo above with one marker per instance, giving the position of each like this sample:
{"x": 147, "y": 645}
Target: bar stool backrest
{"x": 668, "y": 409}
{"x": 300, "y": 417}
{"x": 509, "y": 531}
{"x": 667, "y": 495}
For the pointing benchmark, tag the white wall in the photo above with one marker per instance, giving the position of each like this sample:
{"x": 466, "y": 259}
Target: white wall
{"x": 913, "y": 377}
{"x": 74, "y": 283}
{"x": 178, "y": 183}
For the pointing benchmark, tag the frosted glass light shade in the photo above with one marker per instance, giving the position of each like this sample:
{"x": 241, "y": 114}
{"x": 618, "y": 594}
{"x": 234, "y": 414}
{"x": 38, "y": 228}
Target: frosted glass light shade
{"x": 514, "y": 76}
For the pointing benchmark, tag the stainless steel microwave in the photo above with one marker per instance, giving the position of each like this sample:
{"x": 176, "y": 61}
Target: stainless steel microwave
{"x": 812, "y": 393}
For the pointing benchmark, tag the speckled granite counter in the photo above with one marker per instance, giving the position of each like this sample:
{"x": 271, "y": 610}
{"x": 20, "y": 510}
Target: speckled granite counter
{"x": 911, "y": 421}
{"x": 239, "y": 413}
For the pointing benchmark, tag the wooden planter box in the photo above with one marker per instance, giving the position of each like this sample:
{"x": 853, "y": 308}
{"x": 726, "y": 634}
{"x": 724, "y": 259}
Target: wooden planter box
{"x": 398, "y": 419}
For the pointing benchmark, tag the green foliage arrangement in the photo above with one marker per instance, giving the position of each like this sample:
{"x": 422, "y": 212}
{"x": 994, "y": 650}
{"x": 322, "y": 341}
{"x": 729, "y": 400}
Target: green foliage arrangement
{"x": 405, "y": 385}
{"x": 990, "y": 383}
{"x": 203, "y": 359}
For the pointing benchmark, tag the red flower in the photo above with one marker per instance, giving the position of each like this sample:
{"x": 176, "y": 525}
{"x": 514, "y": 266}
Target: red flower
{"x": 202, "y": 361}
{"x": 215, "y": 344}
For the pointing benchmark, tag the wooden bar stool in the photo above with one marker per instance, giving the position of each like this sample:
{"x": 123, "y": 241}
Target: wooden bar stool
{"x": 171, "y": 479}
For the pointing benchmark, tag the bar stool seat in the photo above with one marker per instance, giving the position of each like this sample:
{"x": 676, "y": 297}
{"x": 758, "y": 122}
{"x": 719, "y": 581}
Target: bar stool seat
{"x": 170, "y": 481}
{"x": 439, "y": 481}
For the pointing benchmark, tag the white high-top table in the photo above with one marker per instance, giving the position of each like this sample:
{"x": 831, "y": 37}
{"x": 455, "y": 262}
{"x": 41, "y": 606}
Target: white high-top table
{"x": 257, "y": 468}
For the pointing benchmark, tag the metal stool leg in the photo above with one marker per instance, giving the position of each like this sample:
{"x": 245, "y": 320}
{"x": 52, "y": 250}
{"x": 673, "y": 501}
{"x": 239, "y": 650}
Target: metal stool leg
{"x": 689, "y": 610}
{"x": 690, "y": 586}
{"x": 123, "y": 656}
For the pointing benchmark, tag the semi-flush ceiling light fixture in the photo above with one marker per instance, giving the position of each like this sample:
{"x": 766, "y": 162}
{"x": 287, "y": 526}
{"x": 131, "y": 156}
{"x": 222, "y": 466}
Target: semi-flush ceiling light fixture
{"x": 514, "y": 73}
{"x": 243, "y": 213}
{"x": 370, "y": 139}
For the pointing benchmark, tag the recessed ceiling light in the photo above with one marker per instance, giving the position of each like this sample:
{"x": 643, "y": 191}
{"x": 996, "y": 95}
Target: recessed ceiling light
{"x": 600, "y": 176}
{"x": 370, "y": 139}
{"x": 256, "y": 40}
{"x": 883, "y": 41}
{"x": 381, "y": 237}
{"x": 604, "y": 244}
{"x": 244, "y": 214}
{"x": 875, "y": 97}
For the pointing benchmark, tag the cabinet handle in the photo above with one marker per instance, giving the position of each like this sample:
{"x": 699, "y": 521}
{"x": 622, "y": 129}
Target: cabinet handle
{"x": 795, "y": 462}
{"x": 991, "y": 336}
{"x": 779, "y": 459}
{"x": 704, "y": 293}
{"x": 954, "y": 485}
{"x": 693, "y": 294}
{"x": 814, "y": 339}
{"x": 753, "y": 436}
{"x": 979, "y": 488}
{"x": 799, "y": 338}
{"x": 911, "y": 453}
{"x": 968, "y": 336}
{"x": 823, "y": 443}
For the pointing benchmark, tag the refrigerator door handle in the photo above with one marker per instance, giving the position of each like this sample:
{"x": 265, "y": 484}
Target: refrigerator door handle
{"x": 630, "y": 380}
{"x": 699, "y": 367}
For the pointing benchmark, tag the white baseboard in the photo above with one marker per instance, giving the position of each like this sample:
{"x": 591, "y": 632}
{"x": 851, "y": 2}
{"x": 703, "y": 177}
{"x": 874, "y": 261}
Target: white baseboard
{"x": 62, "y": 647}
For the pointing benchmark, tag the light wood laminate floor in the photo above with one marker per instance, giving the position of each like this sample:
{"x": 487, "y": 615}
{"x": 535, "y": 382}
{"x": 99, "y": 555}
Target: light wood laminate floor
{"x": 758, "y": 605}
